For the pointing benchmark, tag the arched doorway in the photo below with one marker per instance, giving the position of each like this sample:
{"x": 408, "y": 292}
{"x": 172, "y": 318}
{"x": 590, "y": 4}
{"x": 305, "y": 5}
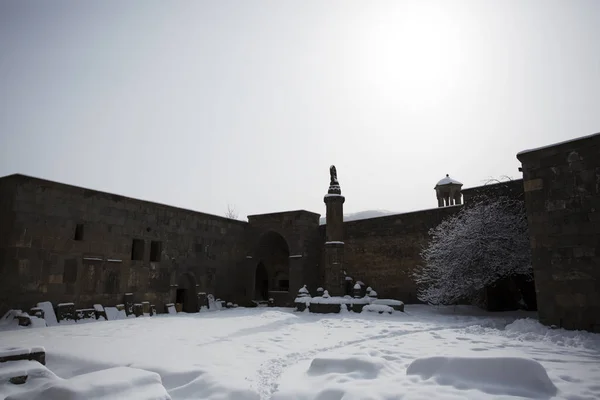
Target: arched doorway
{"x": 273, "y": 268}
{"x": 186, "y": 293}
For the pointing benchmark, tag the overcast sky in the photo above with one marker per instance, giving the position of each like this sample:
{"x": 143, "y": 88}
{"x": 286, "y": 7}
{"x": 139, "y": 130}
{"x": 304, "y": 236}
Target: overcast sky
{"x": 202, "y": 104}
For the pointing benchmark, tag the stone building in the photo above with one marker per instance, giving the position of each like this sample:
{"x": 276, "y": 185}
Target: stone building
{"x": 62, "y": 243}
{"x": 562, "y": 196}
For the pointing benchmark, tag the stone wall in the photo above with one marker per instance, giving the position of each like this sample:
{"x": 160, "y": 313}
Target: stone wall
{"x": 383, "y": 252}
{"x": 562, "y": 195}
{"x": 512, "y": 188}
{"x": 69, "y": 244}
{"x": 7, "y": 195}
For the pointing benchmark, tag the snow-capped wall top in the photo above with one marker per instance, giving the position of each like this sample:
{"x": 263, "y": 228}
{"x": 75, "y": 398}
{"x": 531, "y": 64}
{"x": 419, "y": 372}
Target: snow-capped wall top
{"x": 448, "y": 181}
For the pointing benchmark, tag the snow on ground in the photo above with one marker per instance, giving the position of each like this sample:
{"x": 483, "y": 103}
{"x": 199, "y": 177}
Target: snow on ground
{"x": 266, "y": 353}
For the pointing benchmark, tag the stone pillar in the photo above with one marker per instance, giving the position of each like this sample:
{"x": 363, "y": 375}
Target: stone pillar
{"x": 458, "y": 198}
{"x": 334, "y": 233}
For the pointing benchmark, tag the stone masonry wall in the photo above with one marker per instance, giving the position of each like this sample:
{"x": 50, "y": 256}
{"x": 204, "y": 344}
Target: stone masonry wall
{"x": 512, "y": 188}
{"x": 383, "y": 252}
{"x": 44, "y": 259}
{"x": 562, "y": 195}
{"x": 7, "y": 194}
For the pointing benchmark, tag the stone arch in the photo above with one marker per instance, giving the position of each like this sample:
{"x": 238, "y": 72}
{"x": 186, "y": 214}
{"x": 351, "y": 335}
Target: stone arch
{"x": 272, "y": 255}
{"x": 186, "y": 293}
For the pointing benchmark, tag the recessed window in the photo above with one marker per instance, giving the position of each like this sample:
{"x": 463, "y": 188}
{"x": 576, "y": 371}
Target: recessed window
{"x": 137, "y": 250}
{"x": 78, "y": 232}
{"x": 284, "y": 285}
{"x": 155, "y": 250}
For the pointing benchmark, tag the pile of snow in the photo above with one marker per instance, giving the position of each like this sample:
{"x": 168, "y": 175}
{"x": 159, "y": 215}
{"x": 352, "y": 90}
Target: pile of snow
{"x": 380, "y": 308}
{"x": 37, "y": 376}
{"x": 494, "y": 375}
{"x": 527, "y": 329}
{"x": 10, "y": 320}
{"x": 356, "y": 367}
{"x": 107, "y": 384}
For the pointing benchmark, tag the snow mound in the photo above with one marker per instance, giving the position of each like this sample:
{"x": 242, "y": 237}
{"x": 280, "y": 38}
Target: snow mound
{"x": 356, "y": 367}
{"x": 108, "y": 384}
{"x": 527, "y": 329}
{"x": 23, "y": 367}
{"x": 380, "y": 308}
{"x": 495, "y": 375}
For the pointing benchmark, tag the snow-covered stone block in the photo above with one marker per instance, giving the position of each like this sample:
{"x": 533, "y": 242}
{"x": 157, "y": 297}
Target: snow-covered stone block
{"x": 170, "y": 308}
{"x": 395, "y": 304}
{"x": 85, "y": 313}
{"x": 65, "y": 312}
{"x": 379, "y": 308}
{"x": 100, "y": 312}
{"x": 508, "y": 376}
{"x": 49, "y": 314}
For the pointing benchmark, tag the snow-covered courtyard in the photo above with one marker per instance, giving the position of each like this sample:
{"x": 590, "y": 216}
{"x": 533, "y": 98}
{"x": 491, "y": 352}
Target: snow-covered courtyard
{"x": 268, "y": 353}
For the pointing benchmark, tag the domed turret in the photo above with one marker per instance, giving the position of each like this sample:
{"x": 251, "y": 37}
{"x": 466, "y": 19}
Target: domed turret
{"x": 448, "y": 192}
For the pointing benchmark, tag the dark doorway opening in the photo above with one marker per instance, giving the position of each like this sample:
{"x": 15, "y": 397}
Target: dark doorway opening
{"x": 272, "y": 271}
{"x": 180, "y": 296}
{"x": 261, "y": 283}
{"x": 186, "y": 293}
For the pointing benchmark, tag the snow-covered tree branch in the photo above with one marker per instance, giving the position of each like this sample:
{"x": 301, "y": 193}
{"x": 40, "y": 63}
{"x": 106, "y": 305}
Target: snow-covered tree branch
{"x": 483, "y": 243}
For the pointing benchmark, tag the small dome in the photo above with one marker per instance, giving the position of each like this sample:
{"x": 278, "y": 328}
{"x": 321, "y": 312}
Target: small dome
{"x": 448, "y": 181}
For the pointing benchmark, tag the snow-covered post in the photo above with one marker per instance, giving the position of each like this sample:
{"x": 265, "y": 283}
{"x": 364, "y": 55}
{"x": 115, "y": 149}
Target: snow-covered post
{"x": 357, "y": 289}
{"x": 320, "y": 291}
{"x": 372, "y": 294}
{"x": 302, "y": 299}
{"x": 334, "y": 233}
{"x": 348, "y": 289}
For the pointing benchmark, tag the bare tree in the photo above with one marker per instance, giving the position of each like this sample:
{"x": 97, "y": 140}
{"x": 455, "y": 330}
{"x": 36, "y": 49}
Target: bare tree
{"x": 473, "y": 249}
{"x": 502, "y": 179}
{"x": 231, "y": 212}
